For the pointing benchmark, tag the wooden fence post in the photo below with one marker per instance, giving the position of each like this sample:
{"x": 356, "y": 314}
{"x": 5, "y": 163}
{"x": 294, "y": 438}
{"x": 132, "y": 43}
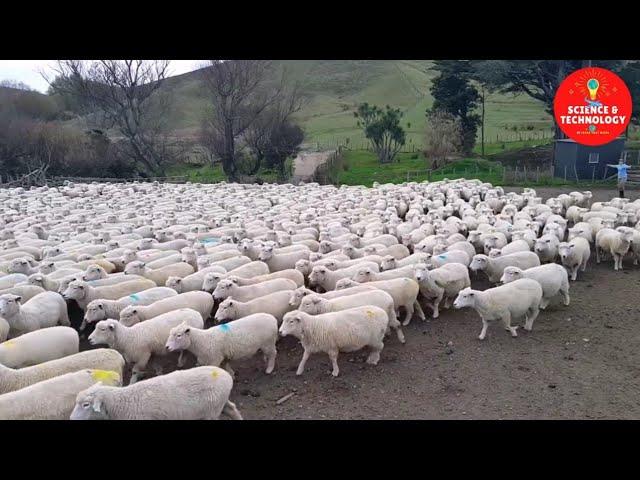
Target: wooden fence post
{"x": 538, "y": 174}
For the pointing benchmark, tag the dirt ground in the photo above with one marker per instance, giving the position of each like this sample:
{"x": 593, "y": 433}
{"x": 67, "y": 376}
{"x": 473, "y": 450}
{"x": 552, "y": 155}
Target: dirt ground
{"x": 579, "y": 362}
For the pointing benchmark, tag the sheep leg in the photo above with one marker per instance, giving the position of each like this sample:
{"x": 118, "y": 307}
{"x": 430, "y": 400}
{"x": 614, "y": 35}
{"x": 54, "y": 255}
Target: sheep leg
{"x": 305, "y": 356}
{"x": 231, "y": 410}
{"x": 270, "y": 356}
{"x": 436, "y": 304}
{"x": 418, "y": 309}
{"x": 409, "y": 314}
{"x": 138, "y": 369}
{"x": 506, "y": 319}
{"x": 227, "y": 367}
{"x": 374, "y": 356}
{"x": 532, "y": 314}
{"x": 83, "y": 325}
{"x": 181, "y": 359}
{"x": 333, "y": 355}
{"x": 574, "y": 273}
{"x": 483, "y": 333}
{"x": 597, "y": 254}
{"x": 565, "y": 293}
{"x": 543, "y": 303}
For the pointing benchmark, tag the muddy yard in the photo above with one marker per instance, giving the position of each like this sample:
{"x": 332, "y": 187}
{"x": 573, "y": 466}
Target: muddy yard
{"x": 579, "y": 362}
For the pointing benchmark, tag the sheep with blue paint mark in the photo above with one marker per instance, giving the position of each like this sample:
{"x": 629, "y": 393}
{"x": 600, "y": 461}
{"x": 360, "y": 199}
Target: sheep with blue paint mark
{"x": 229, "y": 342}
{"x": 102, "y": 309}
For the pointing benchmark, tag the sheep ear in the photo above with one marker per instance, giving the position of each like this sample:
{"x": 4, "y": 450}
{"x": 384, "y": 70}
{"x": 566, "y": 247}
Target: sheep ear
{"x": 188, "y": 330}
{"x": 112, "y": 327}
{"x": 100, "y": 306}
{"x": 18, "y": 298}
{"x": 97, "y": 403}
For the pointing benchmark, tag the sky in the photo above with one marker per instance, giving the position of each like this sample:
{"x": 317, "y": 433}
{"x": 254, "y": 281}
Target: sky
{"x": 28, "y": 71}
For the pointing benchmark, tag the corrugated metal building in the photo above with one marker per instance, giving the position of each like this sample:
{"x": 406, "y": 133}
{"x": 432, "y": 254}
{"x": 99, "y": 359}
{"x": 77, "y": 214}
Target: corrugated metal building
{"x": 585, "y": 162}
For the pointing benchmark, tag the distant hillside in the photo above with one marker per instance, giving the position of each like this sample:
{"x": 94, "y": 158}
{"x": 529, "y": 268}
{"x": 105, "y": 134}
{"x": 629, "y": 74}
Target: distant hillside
{"x": 336, "y": 87}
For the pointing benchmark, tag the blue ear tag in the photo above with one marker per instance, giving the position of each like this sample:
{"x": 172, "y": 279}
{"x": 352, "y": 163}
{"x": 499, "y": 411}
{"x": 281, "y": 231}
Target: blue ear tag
{"x": 134, "y": 297}
{"x": 443, "y": 257}
{"x": 225, "y": 327}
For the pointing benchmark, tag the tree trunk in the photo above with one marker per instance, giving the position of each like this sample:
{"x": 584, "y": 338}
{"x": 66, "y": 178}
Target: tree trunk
{"x": 482, "y": 125}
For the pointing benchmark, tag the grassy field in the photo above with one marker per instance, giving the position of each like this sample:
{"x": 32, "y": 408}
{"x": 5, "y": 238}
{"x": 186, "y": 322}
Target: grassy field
{"x": 214, "y": 174}
{"x": 361, "y": 167}
{"x": 335, "y": 87}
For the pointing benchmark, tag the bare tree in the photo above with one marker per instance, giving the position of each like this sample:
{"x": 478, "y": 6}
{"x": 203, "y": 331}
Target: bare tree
{"x": 444, "y": 137}
{"x": 127, "y": 95}
{"x": 15, "y": 84}
{"x": 273, "y": 136}
{"x": 238, "y": 99}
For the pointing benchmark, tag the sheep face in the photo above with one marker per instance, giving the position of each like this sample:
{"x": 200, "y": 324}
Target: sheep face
{"x": 94, "y": 272}
{"x": 303, "y": 266}
{"x": 266, "y": 253}
{"x": 224, "y": 289}
{"x": 179, "y": 338}
{"x": 363, "y": 275}
{"x": 47, "y": 267}
{"x": 345, "y": 283}
{"x": 314, "y": 305}
{"x": 510, "y": 274}
{"x": 479, "y": 262}
{"x": 388, "y": 263}
{"x": 145, "y": 244}
{"x": 421, "y": 272}
{"x": 495, "y": 252}
{"x": 9, "y": 304}
{"x": 128, "y": 256}
{"x": 210, "y": 281}
{"x": 19, "y": 265}
{"x": 95, "y": 312}
{"x": 228, "y": 310}
{"x": 466, "y": 298}
{"x": 175, "y": 283}
{"x": 89, "y": 405}
{"x": 189, "y": 256}
{"x": 129, "y": 316}
{"x": 104, "y": 332}
{"x": 135, "y": 268}
{"x": 325, "y": 246}
{"x": 318, "y": 274}
{"x": 76, "y": 290}
{"x": 292, "y": 324}
{"x": 297, "y": 296}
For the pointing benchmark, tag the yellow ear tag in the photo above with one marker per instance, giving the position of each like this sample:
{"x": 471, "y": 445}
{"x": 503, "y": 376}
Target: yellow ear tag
{"x": 105, "y": 376}
{"x": 8, "y": 344}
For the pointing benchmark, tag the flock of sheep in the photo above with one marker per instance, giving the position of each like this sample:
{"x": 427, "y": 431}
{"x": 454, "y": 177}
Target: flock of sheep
{"x": 341, "y": 269}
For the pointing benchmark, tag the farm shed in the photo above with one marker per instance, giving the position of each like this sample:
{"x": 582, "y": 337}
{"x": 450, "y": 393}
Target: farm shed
{"x": 585, "y": 162}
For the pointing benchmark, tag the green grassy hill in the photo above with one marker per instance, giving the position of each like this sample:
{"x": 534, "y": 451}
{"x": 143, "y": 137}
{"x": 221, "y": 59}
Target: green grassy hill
{"x": 336, "y": 87}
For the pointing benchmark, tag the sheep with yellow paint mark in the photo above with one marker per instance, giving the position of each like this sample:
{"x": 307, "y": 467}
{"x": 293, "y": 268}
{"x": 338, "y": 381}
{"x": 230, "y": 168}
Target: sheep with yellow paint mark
{"x": 200, "y": 393}
{"x": 52, "y": 399}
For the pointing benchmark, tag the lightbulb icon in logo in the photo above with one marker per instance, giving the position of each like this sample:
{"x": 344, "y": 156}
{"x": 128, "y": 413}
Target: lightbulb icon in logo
{"x": 593, "y": 86}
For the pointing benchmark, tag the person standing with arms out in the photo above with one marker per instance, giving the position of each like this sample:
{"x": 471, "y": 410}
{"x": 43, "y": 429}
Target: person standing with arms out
{"x": 622, "y": 175}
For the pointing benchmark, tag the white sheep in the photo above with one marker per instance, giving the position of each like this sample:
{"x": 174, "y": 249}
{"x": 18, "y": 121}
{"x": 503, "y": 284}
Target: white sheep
{"x": 102, "y": 309}
{"x": 4, "y": 329}
{"x": 12, "y": 279}
{"x": 323, "y": 277}
{"x": 581, "y": 229}
{"x": 294, "y": 275}
{"x": 52, "y": 399}
{"x": 608, "y": 241}
{"x": 397, "y": 251}
{"x": 200, "y": 393}
{"x": 335, "y": 332}
{"x": 229, "y": 342}
{"x": 46, "y": 309}
{"x": 160, "y": 275}
{"x": 441, "y": 283}
{"x": 83, "y": 293}
{"x": 39, "y": 346}
{"x": 403, "y": 290}
{"x": 494, "y": 267}
{"x": 199, "y": 301}
{"x": 506, "y": 302}
{"x": 553, "y": 279}
{"x": 26, "y": 291}
{"x": 315, "y": 304}
{"x": 276, "y": 304}
{"x": 509, "y": 248}
{"x": 366, "y": 274}
{"x": 99, "y": 358}
{"x": 281, "y": 261}
{"x": 451, "y": 256}
{"x": 227, "y": 288}
{"x": 575, "y": 254}
{"x": 192, "y": 282}
{"x": 139, "y": 342}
